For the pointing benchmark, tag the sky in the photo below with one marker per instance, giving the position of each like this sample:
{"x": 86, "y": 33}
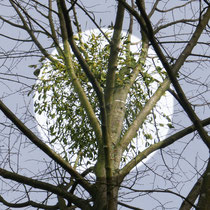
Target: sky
{"x": 192, "y": 158}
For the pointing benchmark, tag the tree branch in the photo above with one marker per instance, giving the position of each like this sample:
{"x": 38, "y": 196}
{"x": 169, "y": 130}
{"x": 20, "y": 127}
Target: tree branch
{"x": 31, "y": 34}
{"x": 94, "y": 22}
{"x": 46, "y": 149}
{"x": 153, "y": 8}
{"x": 162, "y": 191}
{"x": 77, "y": 86}
{"x": 173, "y": 8}
{"x": 192, "y": 196}
{"x": 174, "y": 23}
{"x": 204, "y": 199}
{"x": 128, "y": 206}
{"x": 160, "y": 145}
{"x": 45, "y": 186}
{"x": 52, "y": 27}
{"x": 85, "y": 67}
{"x": 26, "y": 204}
{"x": 172, "y": 70}
{"x": 113, "y": 58}
{"x": 131, "y": 132}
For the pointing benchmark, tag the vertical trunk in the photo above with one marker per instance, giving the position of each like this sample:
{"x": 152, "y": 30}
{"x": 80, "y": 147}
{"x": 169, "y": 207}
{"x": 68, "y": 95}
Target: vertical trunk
{"x": 101, "y": 200}
{"x": 113, "y": 197}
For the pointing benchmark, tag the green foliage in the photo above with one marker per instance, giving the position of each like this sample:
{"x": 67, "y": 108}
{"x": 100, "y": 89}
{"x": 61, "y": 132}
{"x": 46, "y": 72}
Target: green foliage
{"x": 67, "y": 122}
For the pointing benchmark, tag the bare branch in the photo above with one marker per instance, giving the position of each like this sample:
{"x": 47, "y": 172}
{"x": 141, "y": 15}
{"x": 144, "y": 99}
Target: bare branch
{"x": 47, "y": 150}
{"x": 192, "y": 196}
{"x": 26, "y": 204}
{"x": 164, "y": 191}
{"x": 128, "y": 206}
{"x": 78, "y": 88}
{"x": 186, "y": 21}
{"x": 95, "y": 23}
{"x": 131, "y": 132}
{"x": 173, "y": 8}
{"x": 44, "y": 186}
{"x": 160, "y": 145}
{"x": 172, "y": 71}
{"x": 153, "y": 8}
{"x": 204, "y": 198}
{"x": 77, "y": 53}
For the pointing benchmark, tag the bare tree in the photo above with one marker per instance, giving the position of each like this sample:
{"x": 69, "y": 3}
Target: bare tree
{"x": 100, "y": 101}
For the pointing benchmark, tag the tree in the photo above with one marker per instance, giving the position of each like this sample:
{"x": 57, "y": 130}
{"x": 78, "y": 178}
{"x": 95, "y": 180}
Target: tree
{"x": 96, "y": 120}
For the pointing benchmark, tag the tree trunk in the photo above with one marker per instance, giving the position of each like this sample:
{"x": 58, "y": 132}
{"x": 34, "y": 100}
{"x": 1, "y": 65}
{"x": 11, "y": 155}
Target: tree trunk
{"x": 101, "y": 200}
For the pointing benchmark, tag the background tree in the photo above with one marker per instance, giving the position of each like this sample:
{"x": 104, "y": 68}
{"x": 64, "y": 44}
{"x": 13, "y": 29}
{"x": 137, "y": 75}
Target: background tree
{"x": 110, "y": 99}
